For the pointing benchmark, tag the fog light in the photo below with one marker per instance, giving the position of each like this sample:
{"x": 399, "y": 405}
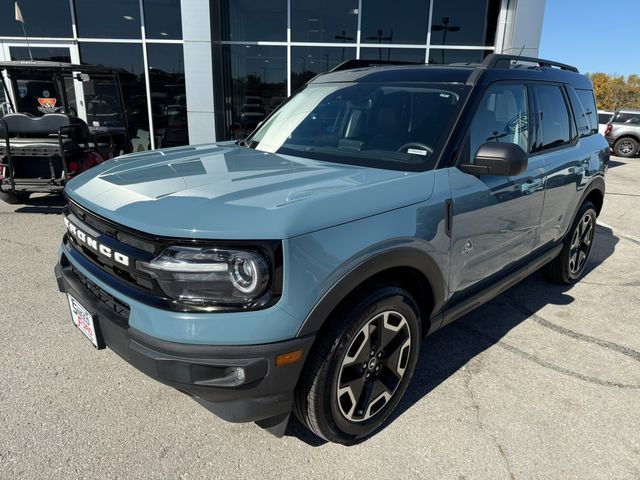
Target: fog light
{"x": 238, "y": 372}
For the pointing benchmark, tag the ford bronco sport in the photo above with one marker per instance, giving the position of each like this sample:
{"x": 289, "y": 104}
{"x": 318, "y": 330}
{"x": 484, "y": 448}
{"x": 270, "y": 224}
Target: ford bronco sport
{"x": 298, "y": 270}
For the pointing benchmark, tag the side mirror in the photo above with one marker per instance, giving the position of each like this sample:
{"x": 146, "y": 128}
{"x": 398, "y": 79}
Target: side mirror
{"x": 504, "y": 159}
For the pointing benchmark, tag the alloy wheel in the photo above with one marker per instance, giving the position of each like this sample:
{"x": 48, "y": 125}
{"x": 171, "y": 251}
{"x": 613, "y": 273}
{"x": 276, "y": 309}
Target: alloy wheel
{"x": 581, "y": 244}
{"x": 373, "y": 366}
{"x": 625, "y": 147}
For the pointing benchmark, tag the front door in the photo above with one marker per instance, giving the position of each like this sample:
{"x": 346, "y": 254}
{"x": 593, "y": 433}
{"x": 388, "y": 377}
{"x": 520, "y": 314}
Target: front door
{"x": 495, "y": 218}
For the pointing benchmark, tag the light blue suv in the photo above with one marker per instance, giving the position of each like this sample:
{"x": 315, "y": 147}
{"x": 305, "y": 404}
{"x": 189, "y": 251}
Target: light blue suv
{"x": 298, "y": 270}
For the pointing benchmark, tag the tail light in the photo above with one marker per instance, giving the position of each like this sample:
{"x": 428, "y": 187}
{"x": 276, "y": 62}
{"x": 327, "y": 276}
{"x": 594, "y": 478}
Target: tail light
{"x": 608, "y": 130}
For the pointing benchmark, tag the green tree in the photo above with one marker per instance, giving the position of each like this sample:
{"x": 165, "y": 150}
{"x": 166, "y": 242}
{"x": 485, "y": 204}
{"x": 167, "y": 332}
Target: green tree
{"x": 614, "y": 92}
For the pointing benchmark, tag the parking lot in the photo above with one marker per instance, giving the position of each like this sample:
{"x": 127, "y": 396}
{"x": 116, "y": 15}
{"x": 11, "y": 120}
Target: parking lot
{"x": 543, "y": 382}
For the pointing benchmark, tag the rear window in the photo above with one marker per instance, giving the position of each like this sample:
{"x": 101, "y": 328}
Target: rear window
{"x": 604, "y": 118}
{"x": 627, "y": 118}
{"x": 588, "y": 102}
{"x": 555, "y": 128}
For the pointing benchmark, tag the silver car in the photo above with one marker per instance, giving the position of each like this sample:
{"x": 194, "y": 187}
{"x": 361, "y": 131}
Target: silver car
{"x": 623, "y": 133}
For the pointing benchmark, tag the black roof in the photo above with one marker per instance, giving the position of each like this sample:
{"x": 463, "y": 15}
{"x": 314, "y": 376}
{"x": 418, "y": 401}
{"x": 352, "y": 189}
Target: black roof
{"x": 494, "y": 67}
{"x": 62, "y": 67}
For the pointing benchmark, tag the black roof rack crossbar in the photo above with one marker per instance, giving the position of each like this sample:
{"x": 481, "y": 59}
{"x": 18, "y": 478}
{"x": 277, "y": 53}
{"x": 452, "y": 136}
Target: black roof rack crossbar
{"x": 496, "y": 60}
{"x": 349, "y": 64}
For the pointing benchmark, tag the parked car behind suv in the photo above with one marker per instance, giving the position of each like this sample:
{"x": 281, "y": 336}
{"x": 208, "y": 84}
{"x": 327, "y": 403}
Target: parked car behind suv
{"x": 623, "y": 133}
{"x": 604, "y": 117}
{"x": 299, "y": 270}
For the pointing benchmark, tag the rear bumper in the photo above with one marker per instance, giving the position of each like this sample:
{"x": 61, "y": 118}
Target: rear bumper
{"x": 209, "y": 373}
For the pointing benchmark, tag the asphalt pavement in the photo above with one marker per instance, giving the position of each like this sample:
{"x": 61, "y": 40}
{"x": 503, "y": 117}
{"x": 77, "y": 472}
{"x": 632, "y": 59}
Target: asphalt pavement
{"x": 541, "y": 383}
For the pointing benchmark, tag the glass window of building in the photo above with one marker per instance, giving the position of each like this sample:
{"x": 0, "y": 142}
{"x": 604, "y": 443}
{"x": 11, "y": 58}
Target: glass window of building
{"x": 108, "y": 19}
{"x": 464, "y": 22}
{"x": 444, "y": 56}
{"x": 162, "y": 19}
{"x": 168, "y": 94}
{"x": 255, "y": 83}
{"x": 307, "y": 62}
{"x": 382, "y": 23}
{"x": 102, "y": 98}
{"x": 49, "y": 54}
{"x": 334, "y": 21}
{"x": 413, "y": 55}
{"x": 41, "y": 19}
{"x": 248, "y": 20}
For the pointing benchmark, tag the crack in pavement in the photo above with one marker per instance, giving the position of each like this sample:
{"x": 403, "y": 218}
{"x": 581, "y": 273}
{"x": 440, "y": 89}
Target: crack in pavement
{"x": 543, "y": 363}
{"x": 476, "y": 406}
{"x": 20, "y": 244}
{"x": 629, "y": 352}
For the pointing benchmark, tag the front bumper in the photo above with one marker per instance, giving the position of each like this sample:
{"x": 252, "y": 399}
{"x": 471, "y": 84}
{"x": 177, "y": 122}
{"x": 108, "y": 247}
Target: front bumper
{"x": 206, "y": 372}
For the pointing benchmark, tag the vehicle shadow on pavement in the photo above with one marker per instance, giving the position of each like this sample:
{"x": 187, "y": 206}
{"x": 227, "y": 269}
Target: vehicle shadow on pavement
{"x": 47, "y": 204}
{"x": 451, "y": 348}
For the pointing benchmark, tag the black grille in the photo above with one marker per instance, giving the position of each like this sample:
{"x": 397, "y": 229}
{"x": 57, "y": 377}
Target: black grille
{"x": 110, "y": 301}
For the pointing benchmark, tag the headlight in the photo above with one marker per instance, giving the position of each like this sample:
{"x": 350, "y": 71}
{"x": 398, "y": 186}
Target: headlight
{"x": 209, "y": 276}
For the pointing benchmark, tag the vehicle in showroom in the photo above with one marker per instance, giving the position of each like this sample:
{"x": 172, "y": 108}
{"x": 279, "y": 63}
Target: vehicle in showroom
{"x": 57, "y": 120}
{"x": 623, "y": 133}
{"x": 299, "y": 269}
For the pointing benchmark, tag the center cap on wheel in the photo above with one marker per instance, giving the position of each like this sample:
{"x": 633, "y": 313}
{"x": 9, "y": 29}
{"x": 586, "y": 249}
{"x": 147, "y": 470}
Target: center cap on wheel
{"x": 372, "y": 363}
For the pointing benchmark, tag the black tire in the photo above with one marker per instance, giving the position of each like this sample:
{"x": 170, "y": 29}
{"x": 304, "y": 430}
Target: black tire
{"x": 626, "y": 147}
{"x": 568, "y": 267}
{"x": 15, "y": 198}
{"x": 318, "y": 403}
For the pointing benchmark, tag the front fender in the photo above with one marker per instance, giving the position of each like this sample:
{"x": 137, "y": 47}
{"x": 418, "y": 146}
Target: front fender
{"x": 407, "y": 254}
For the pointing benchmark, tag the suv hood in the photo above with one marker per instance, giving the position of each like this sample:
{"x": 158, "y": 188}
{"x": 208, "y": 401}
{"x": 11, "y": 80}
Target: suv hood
{"x": 233, "y": 192}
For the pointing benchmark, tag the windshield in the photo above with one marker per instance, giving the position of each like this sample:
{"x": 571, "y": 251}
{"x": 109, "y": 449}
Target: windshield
{"x": 393, "y": 126}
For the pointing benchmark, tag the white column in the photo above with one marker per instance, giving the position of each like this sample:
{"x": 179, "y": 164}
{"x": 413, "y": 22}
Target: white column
{"x": 198, "y": 70}
{"x": 522, "y": 27}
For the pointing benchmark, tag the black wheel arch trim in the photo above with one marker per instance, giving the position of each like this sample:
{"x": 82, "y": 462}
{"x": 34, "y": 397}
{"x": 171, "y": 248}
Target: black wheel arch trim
{"x": 596, "y": 184}
{"x": 400, "y": 257}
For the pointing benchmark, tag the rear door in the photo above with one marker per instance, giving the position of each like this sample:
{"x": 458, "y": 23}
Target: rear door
{"x": 564, "y": 147}
{"x": 495, "y": 218}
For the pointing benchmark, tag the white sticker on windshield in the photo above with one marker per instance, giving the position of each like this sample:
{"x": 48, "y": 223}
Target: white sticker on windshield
{"x": 415, "y": 151}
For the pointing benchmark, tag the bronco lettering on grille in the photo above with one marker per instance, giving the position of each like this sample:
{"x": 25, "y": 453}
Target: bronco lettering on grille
{"x": 84, "y": 237}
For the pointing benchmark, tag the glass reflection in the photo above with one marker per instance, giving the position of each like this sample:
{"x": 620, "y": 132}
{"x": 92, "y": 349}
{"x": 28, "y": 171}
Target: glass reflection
{"x": 326, "y": 21}
{"x": 168, "y": 95}
{"x": 307, "y": 62}
{"x": 102, "y": 99}
{"x": 461, "y": 22}
{"x": 249, "y": 20}
{"x": 443, "y": 56}
{"x": 41, "y": 19}
{"x": 51, "y": 54}
{"x": 254, "y": 85}
{"x": 397, "y": 25}
{"x": 112, "y": 19}
{"x": 412, "y": 55}
{"x": 162, "y": 19}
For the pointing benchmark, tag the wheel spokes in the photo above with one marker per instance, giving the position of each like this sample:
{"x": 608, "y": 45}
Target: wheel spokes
{"x": 373, "y": 366}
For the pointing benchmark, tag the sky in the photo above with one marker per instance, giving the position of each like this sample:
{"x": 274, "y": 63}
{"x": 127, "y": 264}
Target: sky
{"x": 593, "y": 35}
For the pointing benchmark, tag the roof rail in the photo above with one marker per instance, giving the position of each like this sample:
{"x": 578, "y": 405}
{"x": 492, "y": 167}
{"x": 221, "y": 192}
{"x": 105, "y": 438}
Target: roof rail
{"x": 495, "y": 60}
{"x": 349, "y": 64}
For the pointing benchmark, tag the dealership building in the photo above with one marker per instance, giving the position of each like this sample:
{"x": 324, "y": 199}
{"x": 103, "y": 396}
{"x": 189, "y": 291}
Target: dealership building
{"x": 216, "y": 68}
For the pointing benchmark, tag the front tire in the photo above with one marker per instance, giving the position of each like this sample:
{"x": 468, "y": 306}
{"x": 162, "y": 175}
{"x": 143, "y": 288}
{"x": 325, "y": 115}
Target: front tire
{"x": 569, "y": 266}
{"x": 360, "y": 366}
{"x": 625, "y": 147}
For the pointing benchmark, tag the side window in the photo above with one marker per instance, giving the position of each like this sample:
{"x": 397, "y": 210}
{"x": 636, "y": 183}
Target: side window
{"x": 589, "y": 103}
{"x": 501, "y": 117}
{"x": 555, "y": 129}
{"x": 604, "y": 118}
{"x": 582, "y": 119}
